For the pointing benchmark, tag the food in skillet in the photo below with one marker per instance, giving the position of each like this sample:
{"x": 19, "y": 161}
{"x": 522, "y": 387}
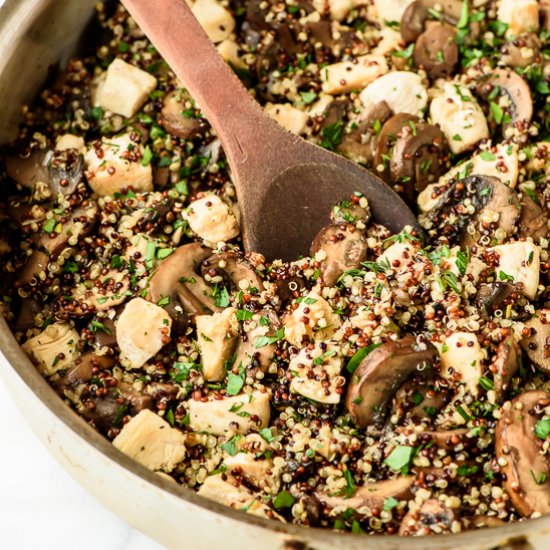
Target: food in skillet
{"x": 382, "y": 384}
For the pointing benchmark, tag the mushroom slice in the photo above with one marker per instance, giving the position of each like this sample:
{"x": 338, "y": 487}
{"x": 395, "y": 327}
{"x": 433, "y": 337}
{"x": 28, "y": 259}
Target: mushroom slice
{"x": 151, "y": 441}
{"x": 533, "y": 220}
{"x": 66, "y": 168}
{"x": 30, "y": 170}
{"x": 522, "y": 51}
{"x": 257, "y": 359}
{"x": 338, "y": 248}
{"x": 526, "y": 471}
{"x": 436, "y": 50}
{"x": 55, "y": 348}
{"x": 175, "y": 120}
{"x": 537, "y": 344}
{"x": 433, "y": 517}
{"x": 316, "y": 373}
{"x": 216, "y": 338}
{"x": 369, "y": 496}
{"x": 491, "y": 297}
{"x": 491, "y": 199}
{"x": 82, "y": 370}
{"x": 504, "y": 366}
{"x": 380, "y": 374}
{"x": 142, "y": 330}
{"x": 233, "y": 269}
{"x": 515, "y": 87}
{"x": 220, "y": 416}
{"x": 177, "y": 281}
{"x": 519, "y": 262}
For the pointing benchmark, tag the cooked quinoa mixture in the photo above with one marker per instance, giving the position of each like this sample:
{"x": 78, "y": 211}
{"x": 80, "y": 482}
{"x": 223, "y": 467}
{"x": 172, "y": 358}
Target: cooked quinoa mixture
{"x": 380, "y": 384}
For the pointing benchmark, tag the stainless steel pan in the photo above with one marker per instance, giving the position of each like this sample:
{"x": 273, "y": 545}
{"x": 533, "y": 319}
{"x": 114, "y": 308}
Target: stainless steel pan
{"x": 34, "y": 34}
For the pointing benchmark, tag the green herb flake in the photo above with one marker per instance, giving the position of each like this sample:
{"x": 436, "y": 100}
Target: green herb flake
{"x": 400, "y": 458}
{"x": 359, "y": 355}
{"x": 283, "y": 500}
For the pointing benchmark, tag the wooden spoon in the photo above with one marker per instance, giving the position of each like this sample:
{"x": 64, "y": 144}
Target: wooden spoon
{"x": 286, "y": 186}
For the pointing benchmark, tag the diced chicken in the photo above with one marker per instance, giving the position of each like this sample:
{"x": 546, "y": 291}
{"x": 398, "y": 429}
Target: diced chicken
{"x": 214, "y": 19}
{"x": 113, "y": 165}
{"x": 141, "y": 332}
{"x": 397, "y": 255}
{"x": 461, "y": 354}
{"x": 124, "y": 89}
{"x": 212, "y": 220}
{"x": 502, "y": 164}
{"x": 55, "y": 348}
{"x": 152, "y": 442}
{"x": 216, "y": 336}
{"x": 258, "y": 472}
{"x": 520, "y": 263}
{"x": 70, "y": 141}
{"x": 390, "y": 10}
{"x": 323, "y": 322}
{"x": 312, "y": 369}
{"x": 346, "y": 76}
{"x": 474, "y": 268}
{"x": 232, "y": 414}
{"x": 520, "y": 15}
{"x": 229, "y": 50}
{"x": 403, "y": 91}
{"x": 287, "y": 116}
{"x": 459, "y": 116}
{"x": 390, "y": 41}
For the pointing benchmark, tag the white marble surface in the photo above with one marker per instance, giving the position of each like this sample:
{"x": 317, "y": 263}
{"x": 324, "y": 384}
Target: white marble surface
{"x": 41, "y": 506}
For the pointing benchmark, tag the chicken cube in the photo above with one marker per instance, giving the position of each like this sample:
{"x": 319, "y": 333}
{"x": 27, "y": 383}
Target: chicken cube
{"x": 287, "y": 116}
{"x": 346, "y": 76}
{"x": 214, "y": 19}
{"x": 520, "y": 15}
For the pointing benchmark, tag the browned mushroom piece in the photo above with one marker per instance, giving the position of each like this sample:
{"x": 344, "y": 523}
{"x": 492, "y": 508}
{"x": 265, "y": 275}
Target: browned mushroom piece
{"x": 371, "y": 495}
{"x": 526, "y": 470}
{"x": 413, "y": 154}
{"x": 178, "y": 282}
{"x": 492, "y": 297}
{"x": 360, "y": 144}
{"x": 380, "y": 374}
{"x": 83, "y": 371}
{"x": 106, "y": 336}
{"x": 343, "y": 247}
{"x": 533, "y": 220}
{"x": 417, "y": 14}
{"x": 436, "y": 50}
{"x": 176, "y": 120}
{"x": 418, "y": 401}
{"x": 507, "y": 81}
{"x": 504, "y": 366}
{"x": 231, "y": 269}
{"x": 522, "y": 51}
{"x": 452, "y": 217}
{"x": 253, "y": 359}
{"x": 433, "y": 517}
{"x": 30, "y": 308}
{"x": 334, "y": 112}
{"x": 544, "y": 11}
{"x": 28, "y": 171}
{"x": 537, "y": 344}
{"x": 49, "y": 245}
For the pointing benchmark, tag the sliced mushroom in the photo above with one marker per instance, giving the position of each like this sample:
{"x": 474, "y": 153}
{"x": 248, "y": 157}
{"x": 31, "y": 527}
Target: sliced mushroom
{"x": 257, "y": 359}
{"x": 436, "y": 50}
{"x": 488, "y": 196}
{"x": 30, "y": 308}
{"x": 219, "y": 416}
{"x": 492, "y": 297}
{"x": 515, "y": 87}
{"x": 504, "y": 366}
{"x": 533, "y": 220}
{"x": 526, "y": 470}
{"x": 416, "y": 151}
{"x": 537, "y": 344}
{"x": 433, "y": 517}
{"x": 177, "y": 281}
{"x": 338, "y": 248}
{"x": 29, "y": 171}
{"x": 522, "y": 51}
{"x": 82, "y": 370}
{"x": 369, "y": 496}
{"x": 380, "y": 374}
{"x": 360, "y": 144}
{"x": 231, "y": 269}
{"x": 174, "y": 118}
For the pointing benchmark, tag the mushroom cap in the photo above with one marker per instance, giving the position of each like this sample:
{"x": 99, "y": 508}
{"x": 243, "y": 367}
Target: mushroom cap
{"x": 505, "y": 365}
{"x": 436, "y": 50}
{"x": 175, "y": 122}
{"x": 521, "y": 51}
{"x": 537, "y": 345}
{"x": 380, "y": 374}
{"x": 516, "y": 444}
{"x": 233, "y": 269}
{"x": 344, "y": 247}
{"x": 490, "y": 297}
{"x": 533, "y": 220}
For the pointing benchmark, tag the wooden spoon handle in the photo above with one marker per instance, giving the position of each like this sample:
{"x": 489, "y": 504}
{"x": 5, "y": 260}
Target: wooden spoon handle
{"x": 238, "y": 120}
